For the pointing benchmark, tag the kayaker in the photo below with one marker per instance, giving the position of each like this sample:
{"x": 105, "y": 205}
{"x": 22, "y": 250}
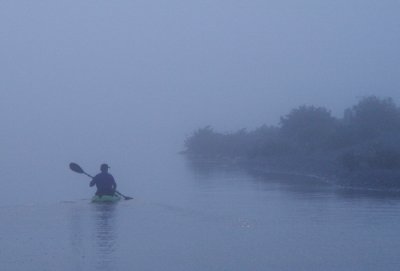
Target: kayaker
{"x": 104, "y": 182}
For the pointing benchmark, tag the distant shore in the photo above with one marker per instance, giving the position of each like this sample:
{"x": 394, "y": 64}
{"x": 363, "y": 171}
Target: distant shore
{"x": 360, "y": 150}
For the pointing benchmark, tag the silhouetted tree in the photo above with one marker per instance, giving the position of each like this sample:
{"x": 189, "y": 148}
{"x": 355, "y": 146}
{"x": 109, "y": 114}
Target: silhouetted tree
{"x": 372, "y": 116}
{"x": 204, "y": 141}
{"x": 310, "y": 126}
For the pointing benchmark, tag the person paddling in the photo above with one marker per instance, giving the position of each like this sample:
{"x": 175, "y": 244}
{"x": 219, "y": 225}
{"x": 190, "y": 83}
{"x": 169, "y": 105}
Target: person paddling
{"x": 104, "y": 182}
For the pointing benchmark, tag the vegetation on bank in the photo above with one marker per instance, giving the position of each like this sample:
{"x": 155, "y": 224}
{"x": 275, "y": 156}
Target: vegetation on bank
{"x": 360, "y": 148}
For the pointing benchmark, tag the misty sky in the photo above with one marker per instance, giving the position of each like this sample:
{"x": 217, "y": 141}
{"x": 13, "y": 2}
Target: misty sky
{"x": 105, "y": 78}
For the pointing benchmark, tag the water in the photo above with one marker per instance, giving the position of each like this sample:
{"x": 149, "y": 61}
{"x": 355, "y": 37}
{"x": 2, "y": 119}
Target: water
{"x": 185, "y": 219}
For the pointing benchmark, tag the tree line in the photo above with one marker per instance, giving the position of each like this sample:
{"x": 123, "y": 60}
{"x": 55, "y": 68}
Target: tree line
{"x": 366, "y": 137}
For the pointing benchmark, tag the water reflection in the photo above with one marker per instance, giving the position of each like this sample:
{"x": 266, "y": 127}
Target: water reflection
{"x": 302, "y": 185}
{"x": 105, "y": 235}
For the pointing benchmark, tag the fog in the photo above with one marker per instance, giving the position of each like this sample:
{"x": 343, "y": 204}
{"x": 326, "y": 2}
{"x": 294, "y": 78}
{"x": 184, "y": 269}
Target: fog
{"x": 125, "y": 82}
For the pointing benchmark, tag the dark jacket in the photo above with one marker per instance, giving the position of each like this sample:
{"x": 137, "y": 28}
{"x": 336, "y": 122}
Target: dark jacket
{"x": 105, "y": 184}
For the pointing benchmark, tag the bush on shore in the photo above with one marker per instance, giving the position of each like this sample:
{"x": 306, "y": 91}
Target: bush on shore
{"x": 367, "y": 137}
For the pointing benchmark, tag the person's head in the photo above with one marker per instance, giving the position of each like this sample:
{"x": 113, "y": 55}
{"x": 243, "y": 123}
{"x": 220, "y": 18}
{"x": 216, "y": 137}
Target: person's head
{"x": 104, "y": 168}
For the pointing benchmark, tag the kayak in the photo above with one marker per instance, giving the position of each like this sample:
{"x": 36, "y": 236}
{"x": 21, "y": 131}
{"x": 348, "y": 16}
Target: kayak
{"x": 106, "y": 198}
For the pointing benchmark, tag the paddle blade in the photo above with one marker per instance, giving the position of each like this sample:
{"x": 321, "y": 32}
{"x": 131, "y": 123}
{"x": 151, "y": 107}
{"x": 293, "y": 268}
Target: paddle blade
{"x": 123, "y": 196}
{"x": 75, "y": 167}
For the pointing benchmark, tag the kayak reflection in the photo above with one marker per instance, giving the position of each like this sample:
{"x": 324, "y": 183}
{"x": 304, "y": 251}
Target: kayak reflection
{"x": 105, "y": 235}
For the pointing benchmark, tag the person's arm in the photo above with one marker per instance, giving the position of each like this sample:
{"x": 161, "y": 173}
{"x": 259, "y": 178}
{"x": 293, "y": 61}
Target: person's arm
{"x": 92, "y": 182}
{"x": 114, "y": 183}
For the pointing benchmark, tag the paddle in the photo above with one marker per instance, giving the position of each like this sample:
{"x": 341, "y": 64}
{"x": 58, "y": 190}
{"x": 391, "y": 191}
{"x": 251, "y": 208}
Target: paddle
{"x": 76, "y": 168}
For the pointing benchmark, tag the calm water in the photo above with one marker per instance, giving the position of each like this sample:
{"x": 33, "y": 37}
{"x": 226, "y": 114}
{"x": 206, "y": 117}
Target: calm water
{"x": 185, "y": 219}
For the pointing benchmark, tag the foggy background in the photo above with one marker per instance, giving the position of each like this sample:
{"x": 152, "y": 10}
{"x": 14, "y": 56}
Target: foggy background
{"x": 125, "y": 82}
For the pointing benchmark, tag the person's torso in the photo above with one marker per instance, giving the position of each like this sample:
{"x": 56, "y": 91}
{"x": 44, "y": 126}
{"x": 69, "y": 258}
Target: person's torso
{"x": 104, "y": 183}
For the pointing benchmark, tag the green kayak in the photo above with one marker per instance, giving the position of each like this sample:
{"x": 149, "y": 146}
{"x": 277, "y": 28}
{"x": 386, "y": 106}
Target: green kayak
{"x": 106, "y": 198}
